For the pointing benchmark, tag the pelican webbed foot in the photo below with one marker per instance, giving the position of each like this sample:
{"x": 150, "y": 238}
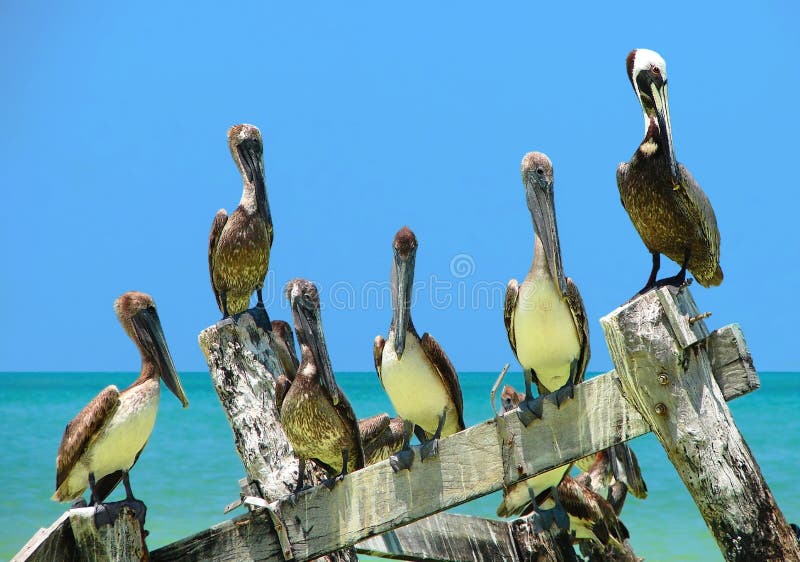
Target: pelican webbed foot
{"x": 404, "y": 458}
{"x": 108, "y": 513}
{"x": 529, "y": 410}
{"x": 430, "y": 448}
{"x": 566, "y": 392}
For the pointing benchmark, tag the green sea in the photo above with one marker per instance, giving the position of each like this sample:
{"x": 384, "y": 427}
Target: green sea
{"x": 189, "y": 470}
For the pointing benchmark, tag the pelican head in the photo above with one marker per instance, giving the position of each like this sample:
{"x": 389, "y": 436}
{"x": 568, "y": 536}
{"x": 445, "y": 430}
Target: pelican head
{"x": 304, "y": 298}
{"x": 247, "y": 150}
{"x": 137, "y": 313}
{"x": 405, "y": 252}
{"x": 647, "y": 72}
{"x": 537, "y": 176}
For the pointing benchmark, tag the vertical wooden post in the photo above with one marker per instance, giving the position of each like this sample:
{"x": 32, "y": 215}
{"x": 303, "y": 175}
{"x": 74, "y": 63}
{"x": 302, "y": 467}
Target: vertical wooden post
{"x": 657, "y": 345}
{"x": 553, "y": 545}
{"x": 244, "y": 368}
{"x": 122, "y": 541}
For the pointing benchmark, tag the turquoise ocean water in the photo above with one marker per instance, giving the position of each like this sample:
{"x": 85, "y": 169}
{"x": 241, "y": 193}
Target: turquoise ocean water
{"x": 189, "y": 469}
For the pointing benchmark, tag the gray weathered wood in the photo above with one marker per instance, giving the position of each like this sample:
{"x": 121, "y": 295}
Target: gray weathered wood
{"x": 469, "y": 465}
{"x": 667, "y": 374}
{"x": 244, "y": 369}
{"x": 122, "y": 541}
{"x": 445, "y": 536}
{"x": 462, "y": 538}
{"x": 551, "y": 545}
{"x": 53, "y": 543}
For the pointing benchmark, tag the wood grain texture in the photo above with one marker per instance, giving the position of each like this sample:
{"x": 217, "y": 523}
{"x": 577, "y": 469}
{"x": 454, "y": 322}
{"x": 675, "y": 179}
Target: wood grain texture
{"x": 53, "y": 543}
{"x": 547, "y": 546}
{"x": 122, "y": 541}
{"x": 445, "y": 536}
{"x": 244, "y": 367}
{"x": 374, "y": 500}
{"x": 670, "y": 381}
{"x": 470, "y": 464}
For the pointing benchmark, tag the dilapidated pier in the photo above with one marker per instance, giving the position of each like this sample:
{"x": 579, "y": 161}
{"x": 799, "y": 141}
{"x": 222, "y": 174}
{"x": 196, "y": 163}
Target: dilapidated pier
{"x": 672, "y": 377}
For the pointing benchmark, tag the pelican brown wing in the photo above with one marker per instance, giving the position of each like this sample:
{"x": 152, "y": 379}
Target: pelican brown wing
{"x": 510, "y": 305}
{"x": 576, "y": 306}
{"x": 377, "y": 355}
{"x": 704, "y": 262}
{"x": 220, "y": 219}
{"x": 370, "y": 428}
{"x": 446, "y": 371}
{"x": 82, "y": 429}
{"x": 348, "y": 417}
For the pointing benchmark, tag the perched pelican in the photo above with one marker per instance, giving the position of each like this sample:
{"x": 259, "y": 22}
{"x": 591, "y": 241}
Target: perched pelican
{"x": 544, "y": 316}
{"x": 599, "y": 478}
{"x": 283, "y": 340}
{"x": 421, "y": 382}
{"x": 669, "y": 210}
{"x": 517, "y": 497}
{"x": 316, "y": 416}
{"x": 590, "y": 516}
{"x": 239, "y": 244}
{"x": 102, "y": 443}
{"x": 383, "y": 436}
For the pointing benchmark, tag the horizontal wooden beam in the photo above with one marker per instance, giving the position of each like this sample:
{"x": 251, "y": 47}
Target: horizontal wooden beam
{"x": 472, "y": 463}
{"x": 445, "y": 536}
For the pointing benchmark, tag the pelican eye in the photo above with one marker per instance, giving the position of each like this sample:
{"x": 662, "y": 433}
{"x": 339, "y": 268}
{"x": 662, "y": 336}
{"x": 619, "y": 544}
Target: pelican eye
{"x": 540, "y": 171}
{"x": 655, "y": 70}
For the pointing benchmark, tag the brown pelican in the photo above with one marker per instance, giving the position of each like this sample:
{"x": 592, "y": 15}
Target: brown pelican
{"x": 599, "y": 477}
{"x": 239, "y": 244}
{"x": 421, "y": 382}
{"x": 316, "y": 416}
{"x": 544, "y": 316}
{"x": 283, "y": 342}
{"x": 666, "y": 205}
{"x": 102, "y": 443}
{"x": 590, "y": 516}
{"x": 383, "y": 437}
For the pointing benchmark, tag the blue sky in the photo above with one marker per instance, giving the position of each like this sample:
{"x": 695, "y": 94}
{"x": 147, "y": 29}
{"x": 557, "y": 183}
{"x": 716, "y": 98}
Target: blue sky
{"x": 114, "y": 161}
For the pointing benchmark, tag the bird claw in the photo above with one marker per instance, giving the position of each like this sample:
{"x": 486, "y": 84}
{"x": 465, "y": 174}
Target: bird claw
{"x": 331, "y": 482}
{"x": 566, "y": 392}
{"x": 402, "y": 460}
{"x": 108, "y": 513}
{"x": 530, "y": 410}
{"x": 429, "y": 449}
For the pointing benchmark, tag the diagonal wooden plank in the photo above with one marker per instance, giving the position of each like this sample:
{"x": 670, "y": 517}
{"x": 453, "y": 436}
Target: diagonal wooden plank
{"x": 470, "y": 464}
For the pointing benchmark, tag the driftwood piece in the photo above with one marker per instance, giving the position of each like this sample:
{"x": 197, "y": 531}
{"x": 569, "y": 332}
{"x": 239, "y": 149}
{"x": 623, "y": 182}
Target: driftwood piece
{"x": 122, "y": 541}
{"x": 546, "y": 546}
{"x": 470, "y": 464}
{"x": 53, "y": 543}
{"x": 244, "y": 368}
{"x": 463, "y": 538}
{"x": 656, "y": 342}
{"x": 445, "y": 536}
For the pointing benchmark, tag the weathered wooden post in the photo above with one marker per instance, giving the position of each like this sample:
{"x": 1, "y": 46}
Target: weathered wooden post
{"x": 244, "y": 368}
{"x": 124, "y": 540}
{"x": 657, "y": 343}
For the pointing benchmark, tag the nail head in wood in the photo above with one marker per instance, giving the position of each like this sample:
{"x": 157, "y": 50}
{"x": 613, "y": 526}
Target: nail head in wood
{"x": 661, "y": 409}
{"x": 663, "y": 379}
